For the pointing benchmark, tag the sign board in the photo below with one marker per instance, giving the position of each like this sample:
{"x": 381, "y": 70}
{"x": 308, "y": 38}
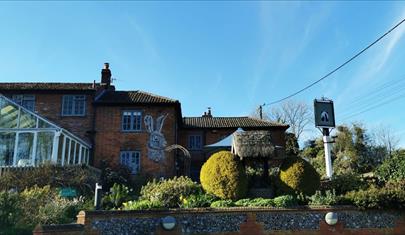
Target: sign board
{"x": 324, "y": 113}
{"x": 68, "y": 192}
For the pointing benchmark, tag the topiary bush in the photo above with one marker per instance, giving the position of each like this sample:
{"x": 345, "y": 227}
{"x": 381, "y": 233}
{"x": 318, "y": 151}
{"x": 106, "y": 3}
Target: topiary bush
{"x": 169, "y": 191}
{"x": 224, "y": 176}
{"x": 297, "y": 176}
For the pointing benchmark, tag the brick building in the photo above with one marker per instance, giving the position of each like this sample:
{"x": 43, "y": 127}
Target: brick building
{"x": 130, "y": 127}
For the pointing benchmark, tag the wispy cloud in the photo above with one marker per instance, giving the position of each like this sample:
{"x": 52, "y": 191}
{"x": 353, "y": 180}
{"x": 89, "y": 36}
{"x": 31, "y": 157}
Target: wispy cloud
{"x": 377, "y": 62}
{"x": 145, "y": 38}
{"x": 279, "y": 40}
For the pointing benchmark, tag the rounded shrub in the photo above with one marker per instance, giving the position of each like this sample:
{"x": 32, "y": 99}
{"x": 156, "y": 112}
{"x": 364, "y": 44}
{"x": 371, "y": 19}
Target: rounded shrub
{"x": 298, "y": 176}
{"x": 224, "y": 176}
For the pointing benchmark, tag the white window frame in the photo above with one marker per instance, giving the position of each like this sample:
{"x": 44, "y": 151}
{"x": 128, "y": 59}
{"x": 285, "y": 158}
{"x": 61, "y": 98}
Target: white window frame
{"x": 21, "y": 99}
{"x": 75, "y": 100}
{"x": 130, "y": 154}
{"x": 194, "y": 147}
{"x": 133, "y": 115}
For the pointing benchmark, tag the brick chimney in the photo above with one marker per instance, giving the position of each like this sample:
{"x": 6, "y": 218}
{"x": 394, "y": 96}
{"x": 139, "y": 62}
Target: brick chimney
{"x": 208, "y": 113}
{"x": 106, "y": 76}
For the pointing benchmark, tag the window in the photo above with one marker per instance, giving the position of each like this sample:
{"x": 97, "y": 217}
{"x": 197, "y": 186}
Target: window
{"x": 131, "y": 120}
{"x": 131, "y": 159}
{"x": 74, "y": 105}
{"x": 194, "y": 142}
{"x": 27, "y": 101}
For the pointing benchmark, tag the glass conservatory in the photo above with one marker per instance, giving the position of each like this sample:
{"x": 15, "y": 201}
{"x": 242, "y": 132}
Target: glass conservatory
{"x": 27, "y": 139}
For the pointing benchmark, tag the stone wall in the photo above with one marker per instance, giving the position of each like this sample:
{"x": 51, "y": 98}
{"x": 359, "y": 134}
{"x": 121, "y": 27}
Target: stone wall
{"x": 241, "y": 221}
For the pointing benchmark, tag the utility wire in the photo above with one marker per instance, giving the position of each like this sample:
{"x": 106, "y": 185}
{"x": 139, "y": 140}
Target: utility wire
{"x": 375, "y": 96}
{"x": 339, "y": 67}
{"x": 376, "y": 106}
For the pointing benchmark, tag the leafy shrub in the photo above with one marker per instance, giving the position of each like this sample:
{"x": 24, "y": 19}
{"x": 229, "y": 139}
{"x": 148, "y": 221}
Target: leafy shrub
{"x": 318, "y": 199}
{"x": 59, "y": 211}
{"x": 116, "y": 196}
{"x": 297, "y": 176}
{"x": 256, "y": 202}
{"x": 364, "y": 198}
{"x": 223, "y": 176}
{"x": 390, "y": 196}
{"x": 243, "y": 202}
{"x": 78, "y": 177}
{"x": 222, "y": 203}
{"x": 285, "y": 201}
{"x": 9, "y": 208}
{"x": 346, "y": 182}
{"x": 169, "y": 191}
{"x": 141, "y": 205}
{"x": 197, "y": 201}
{"x": 45, "y": 206}
{"x": 265, "y": 202}
{"x": 393, "y": 168}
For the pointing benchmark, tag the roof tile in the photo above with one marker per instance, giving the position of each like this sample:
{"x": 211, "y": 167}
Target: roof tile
{"x": 47, "y": 86}
{"x": 228, "y": 122}
{"x": 133, "y": 97}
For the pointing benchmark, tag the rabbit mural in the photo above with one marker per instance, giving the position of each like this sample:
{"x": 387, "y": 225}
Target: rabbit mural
{"x": 157, "y": 142}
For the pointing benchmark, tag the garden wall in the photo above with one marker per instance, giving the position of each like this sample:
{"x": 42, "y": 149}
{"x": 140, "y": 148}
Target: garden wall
{"x": 237, "y": 221}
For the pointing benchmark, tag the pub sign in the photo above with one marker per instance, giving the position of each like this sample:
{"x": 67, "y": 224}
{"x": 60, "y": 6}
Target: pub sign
{"x": 324, "y": 113}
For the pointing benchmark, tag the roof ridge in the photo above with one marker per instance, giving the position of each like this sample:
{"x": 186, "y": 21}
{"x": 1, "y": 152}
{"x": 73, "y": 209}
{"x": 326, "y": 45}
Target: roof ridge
{"x": 152, "y": 94}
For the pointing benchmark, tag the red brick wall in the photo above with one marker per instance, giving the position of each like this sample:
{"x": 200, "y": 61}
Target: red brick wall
{"x": 110, "y": 139}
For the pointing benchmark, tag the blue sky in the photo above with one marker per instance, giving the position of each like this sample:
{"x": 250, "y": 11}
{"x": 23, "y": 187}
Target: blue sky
{"x": 231, "y": 56}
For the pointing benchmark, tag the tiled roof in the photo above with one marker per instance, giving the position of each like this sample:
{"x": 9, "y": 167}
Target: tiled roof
{"x": 47, "y": 86}
{"x": 228, "y": 122}
{"x": 133, "y": 97}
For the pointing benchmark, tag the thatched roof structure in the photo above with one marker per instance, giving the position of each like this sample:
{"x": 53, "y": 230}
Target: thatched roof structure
{"x": 251, "y": 144}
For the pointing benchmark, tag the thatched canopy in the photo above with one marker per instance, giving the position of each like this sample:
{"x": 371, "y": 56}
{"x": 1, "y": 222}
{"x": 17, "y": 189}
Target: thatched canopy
{"x": 251, "y": 144}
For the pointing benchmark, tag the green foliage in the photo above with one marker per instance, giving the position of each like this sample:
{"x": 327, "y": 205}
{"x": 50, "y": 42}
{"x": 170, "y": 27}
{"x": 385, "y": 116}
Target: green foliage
{"x": 20, "y": 212}
{"x": 197, "y": 200}
{"x": 223, "y": 176}
{"x": 344, "y": 183}
{"x": 393, "y": 168}
{"x": 9, "y": 208}
{"x": 78, "y": 177}
{"x": 391, "y": 195}
{"x": 256, "y": 202}
{"x": 116, "y": 196}
{"x": 222, "y": 203}
{"x": 141, "y": 205}
{"x": 298, "y": 176}
{"x": 285, "y": 201}
{"x": 45, "y": 206}
{"x": 319, "y": 199}
{"x": 169, "y": 191}
{"x": 291, "y": 145}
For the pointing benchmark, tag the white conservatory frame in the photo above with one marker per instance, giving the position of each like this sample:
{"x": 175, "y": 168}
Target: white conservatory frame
{"x": 15, "y": 120}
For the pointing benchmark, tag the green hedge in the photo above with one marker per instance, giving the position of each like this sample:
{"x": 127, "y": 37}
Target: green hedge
{"x": 224, "y": 176}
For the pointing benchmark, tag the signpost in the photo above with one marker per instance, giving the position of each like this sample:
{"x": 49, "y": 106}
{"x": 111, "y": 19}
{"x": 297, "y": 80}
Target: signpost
{"x": 325, "y": 119}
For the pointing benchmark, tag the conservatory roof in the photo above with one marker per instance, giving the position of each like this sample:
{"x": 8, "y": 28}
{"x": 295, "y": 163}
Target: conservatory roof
{"x": 14, "y": 117}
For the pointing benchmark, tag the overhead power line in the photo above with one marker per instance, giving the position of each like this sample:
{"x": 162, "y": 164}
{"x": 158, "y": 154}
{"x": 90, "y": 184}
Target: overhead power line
{"x": 340, "y": 66}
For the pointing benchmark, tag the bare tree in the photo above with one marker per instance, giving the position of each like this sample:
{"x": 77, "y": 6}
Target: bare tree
{"x": 385, "y": 137}
{"x": 297, "y": 114}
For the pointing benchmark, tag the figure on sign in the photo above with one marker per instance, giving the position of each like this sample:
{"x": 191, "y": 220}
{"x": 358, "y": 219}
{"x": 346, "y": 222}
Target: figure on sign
{"x": 324, "y": 116}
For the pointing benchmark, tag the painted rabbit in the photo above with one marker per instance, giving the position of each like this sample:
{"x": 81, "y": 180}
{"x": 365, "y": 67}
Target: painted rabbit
{"x": 157, "y": 142}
